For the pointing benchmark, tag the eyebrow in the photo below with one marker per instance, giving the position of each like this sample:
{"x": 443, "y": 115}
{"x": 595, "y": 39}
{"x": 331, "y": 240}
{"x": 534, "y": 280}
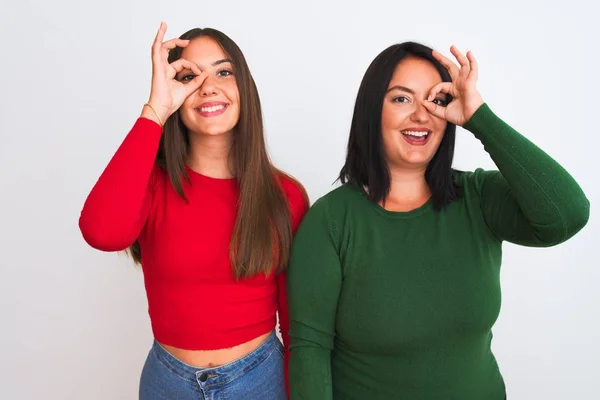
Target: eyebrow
{"x": 402, "y": 88}
{"x": 225, "y": 60}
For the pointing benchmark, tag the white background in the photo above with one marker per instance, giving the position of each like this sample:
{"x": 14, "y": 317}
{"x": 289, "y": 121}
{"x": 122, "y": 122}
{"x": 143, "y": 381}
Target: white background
{"x": 74, "y": 76}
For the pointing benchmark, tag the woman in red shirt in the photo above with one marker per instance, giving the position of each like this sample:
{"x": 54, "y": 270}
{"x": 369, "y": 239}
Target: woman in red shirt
{"x": 192, "y": 195}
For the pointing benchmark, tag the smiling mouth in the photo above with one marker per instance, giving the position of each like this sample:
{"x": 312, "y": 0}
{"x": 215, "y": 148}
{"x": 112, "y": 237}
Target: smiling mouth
{"x": 212, "y": 111}
{"x": 416, "y": 138}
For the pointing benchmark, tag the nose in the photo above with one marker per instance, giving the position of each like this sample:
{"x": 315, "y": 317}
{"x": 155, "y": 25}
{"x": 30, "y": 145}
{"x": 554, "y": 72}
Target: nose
{"x": 209, "y": 87}
{"x": 420, "y": 113}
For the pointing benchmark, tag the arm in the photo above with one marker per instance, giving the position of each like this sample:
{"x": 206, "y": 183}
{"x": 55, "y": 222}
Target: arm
{"x": 298, "y": 204}
{"x": 532, "y": 200}
{"x": 116, "y": 209}
{"x": 314, "y": 283}
{"x": 284, "y": 326}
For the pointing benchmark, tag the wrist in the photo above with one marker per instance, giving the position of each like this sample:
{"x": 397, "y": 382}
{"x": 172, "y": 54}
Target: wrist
{"x": 155, "y": 113}
{"x": 474, "y": 105}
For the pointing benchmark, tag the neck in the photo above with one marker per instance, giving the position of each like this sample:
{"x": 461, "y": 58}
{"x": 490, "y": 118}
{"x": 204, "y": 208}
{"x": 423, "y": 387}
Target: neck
{"x": 408, "y": 189}
{"x": 209, "y": 155}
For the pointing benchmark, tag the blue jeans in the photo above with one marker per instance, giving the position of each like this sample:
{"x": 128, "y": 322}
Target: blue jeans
{"x": 257, "y": 375}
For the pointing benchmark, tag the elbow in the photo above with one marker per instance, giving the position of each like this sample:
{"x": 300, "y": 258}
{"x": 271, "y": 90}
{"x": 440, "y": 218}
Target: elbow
{"x": 569, "y": 226}
{"x": 103, "y": 236}
{"x": 579, "y": 219}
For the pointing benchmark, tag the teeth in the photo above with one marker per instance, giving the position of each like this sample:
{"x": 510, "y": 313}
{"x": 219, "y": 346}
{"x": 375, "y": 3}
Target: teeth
{"x": 415, "y": 133}
{"x": 212, "y": 109}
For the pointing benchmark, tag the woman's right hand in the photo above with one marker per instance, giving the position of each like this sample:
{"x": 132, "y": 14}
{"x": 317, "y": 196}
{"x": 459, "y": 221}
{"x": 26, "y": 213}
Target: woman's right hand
{"x": 167, "y": 93}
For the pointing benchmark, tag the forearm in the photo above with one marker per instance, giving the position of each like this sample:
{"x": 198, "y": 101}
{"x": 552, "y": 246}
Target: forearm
{"x": 310, "y": 371}
{"x": 547, "y": 195}
{"x": 113, "y": 212}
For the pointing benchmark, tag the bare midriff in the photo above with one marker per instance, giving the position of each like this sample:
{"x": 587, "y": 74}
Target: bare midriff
{"x": 215, "y": 358}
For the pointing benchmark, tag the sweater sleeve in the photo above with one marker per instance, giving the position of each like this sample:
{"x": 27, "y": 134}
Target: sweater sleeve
{"x": 531, "y": 200}
{"x": 284, "y": 323}
{"x": 314, "y": 282}
{"x": 298, "y": 203}
{"x": 116, "y": 209}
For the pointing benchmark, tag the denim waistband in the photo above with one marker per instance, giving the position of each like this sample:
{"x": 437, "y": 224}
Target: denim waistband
{"x": 223, "y": 373}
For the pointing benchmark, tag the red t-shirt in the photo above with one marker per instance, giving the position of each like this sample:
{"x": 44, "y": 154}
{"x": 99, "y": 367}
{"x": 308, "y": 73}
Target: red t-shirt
{"x": 193, "y": 300}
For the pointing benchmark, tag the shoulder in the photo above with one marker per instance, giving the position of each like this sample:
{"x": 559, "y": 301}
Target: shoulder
{"x": 341, "y": 199}
{"x": 335, "y": 204}
{"x": 296, "y": 195}
{"x": 342, "y": 194}
{"x": 329, "y": 214}
{"x": 474, "y": 181}
{"x": 294, "y": 190}
{"x": 159, "y": 176}
{"x": 476, "y": 176}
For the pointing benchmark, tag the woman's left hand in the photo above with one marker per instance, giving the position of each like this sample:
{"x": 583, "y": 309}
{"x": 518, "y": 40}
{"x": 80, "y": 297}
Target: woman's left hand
{"x": 466, "y": 99}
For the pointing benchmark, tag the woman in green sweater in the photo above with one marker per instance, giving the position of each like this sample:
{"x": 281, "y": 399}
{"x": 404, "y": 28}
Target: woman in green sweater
{"x": 393, "y": 285}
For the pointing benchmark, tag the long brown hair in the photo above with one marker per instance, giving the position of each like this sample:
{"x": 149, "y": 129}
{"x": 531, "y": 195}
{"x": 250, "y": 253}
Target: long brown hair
{"x": 262, "y": 235}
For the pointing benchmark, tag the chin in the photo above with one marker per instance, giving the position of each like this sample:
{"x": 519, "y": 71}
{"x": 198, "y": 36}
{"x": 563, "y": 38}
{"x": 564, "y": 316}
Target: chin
{"x": 413, "y": 163}
{"x": 214, "y": 130}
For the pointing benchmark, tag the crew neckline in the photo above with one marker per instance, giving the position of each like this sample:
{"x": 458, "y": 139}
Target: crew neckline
{"x": 424, "y": 208}
{"x": 209, "y": 179}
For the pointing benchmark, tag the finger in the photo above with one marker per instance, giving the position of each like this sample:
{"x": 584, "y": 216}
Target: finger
{"x": 442, "y": 87}
{"x": 160, "y": 34}
{"x": 474, "y": 74}
{"x": 435, "y": 110}
{"x": 183, "y": 64}
{"x": 157, "y": 42}
{"x": 171, "y": 44}
{"x": 462, "y": 60}
{"x": 195, "y": 83}
{"x": 449, "y": 65}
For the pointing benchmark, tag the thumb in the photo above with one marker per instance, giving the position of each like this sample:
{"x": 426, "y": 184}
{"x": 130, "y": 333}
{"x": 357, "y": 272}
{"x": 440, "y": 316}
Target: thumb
{"x": 195, "y": 83}
{"x": 434, "y": 109}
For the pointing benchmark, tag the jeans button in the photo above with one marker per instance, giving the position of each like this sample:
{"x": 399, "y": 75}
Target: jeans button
{"x": 203, "y": 377}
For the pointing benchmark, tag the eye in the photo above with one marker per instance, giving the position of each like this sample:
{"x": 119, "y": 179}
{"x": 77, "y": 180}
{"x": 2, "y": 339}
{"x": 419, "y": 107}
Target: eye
{"x": 400, "y": 99}
{"x": 225, "y": 72}
{"x": 440, "y": 102}
{"x": 187, "y": 78}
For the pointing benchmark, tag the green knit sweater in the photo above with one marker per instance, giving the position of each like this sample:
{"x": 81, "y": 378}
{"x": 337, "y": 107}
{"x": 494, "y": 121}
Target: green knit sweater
{"x": 400, "y": 305}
